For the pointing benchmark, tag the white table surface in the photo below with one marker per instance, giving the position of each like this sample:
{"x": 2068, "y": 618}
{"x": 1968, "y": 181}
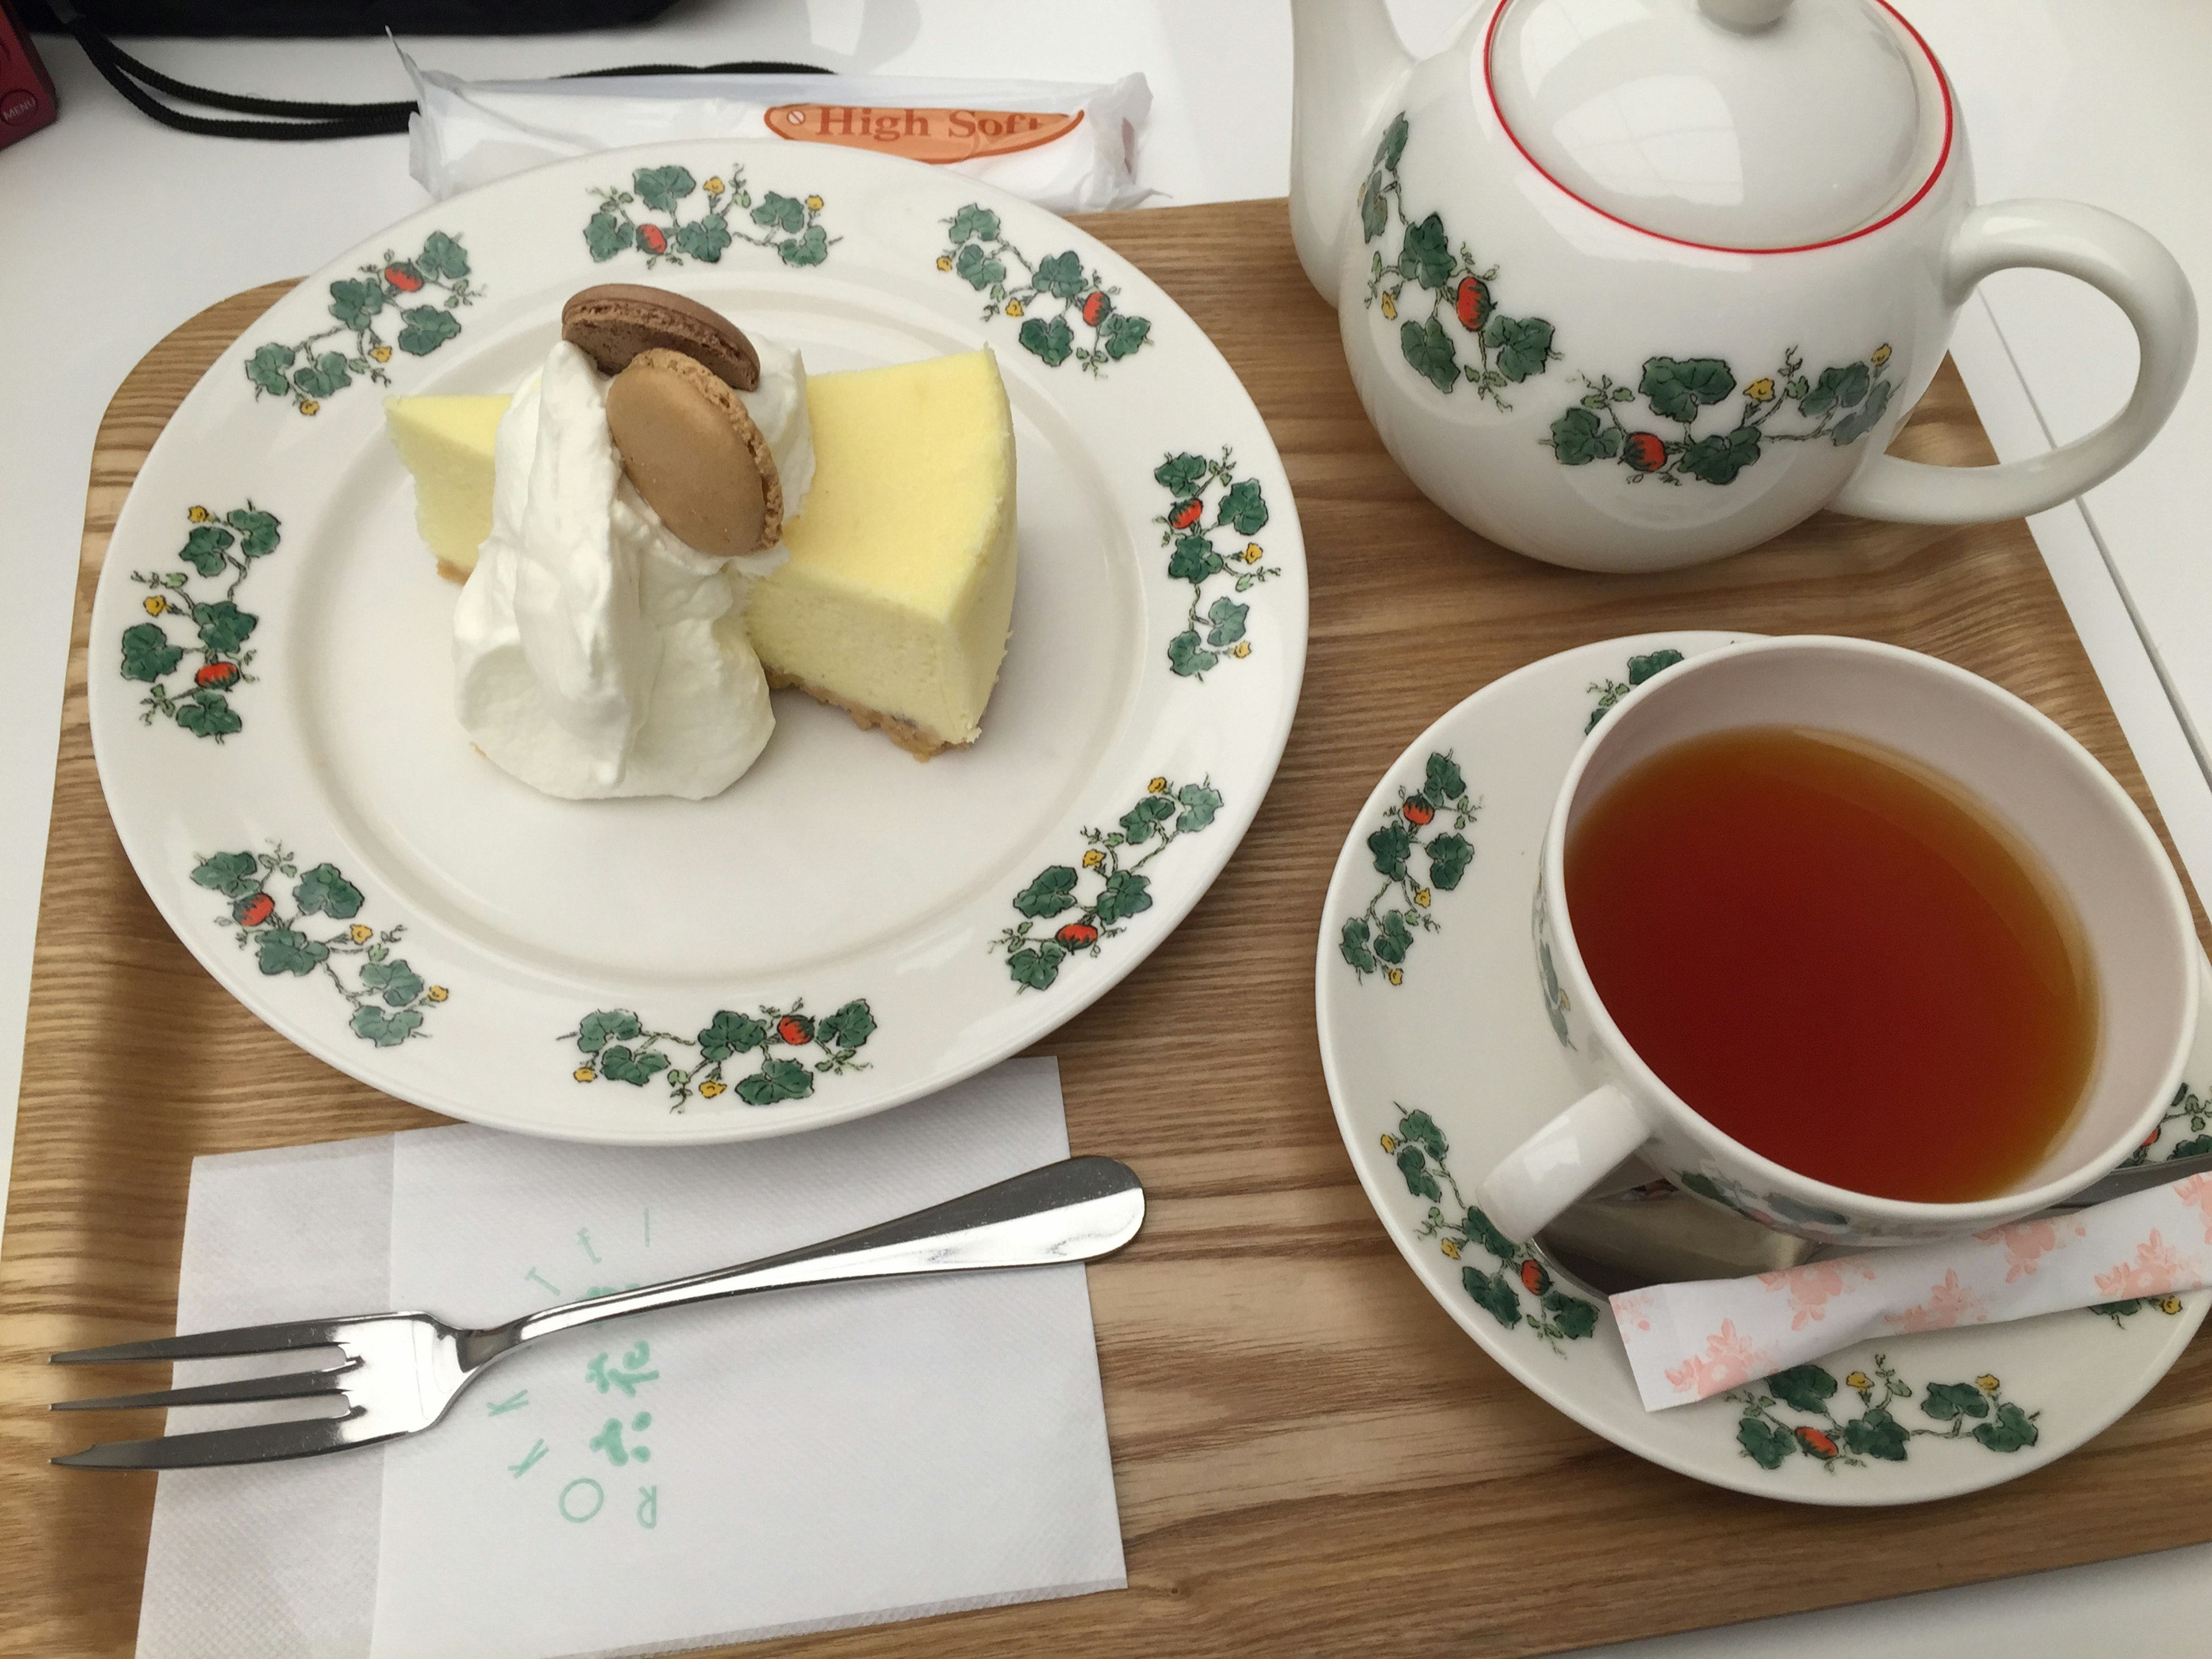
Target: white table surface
{"x": 117, "y": 229}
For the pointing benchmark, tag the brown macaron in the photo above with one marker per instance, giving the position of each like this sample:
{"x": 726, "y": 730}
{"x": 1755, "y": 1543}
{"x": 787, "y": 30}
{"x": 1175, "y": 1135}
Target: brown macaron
{"x": 613, "y": 323}
{"x": 693, "y": 452}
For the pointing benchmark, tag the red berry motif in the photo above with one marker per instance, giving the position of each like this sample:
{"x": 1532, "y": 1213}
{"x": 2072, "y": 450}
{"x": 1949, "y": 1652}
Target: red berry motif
{"x": 1471, "y": 303}
{"x": 254, "y": 909}
{"x": 2156, "y": 1130}
{"x": 217, "y": 674}
{"x": 795, "y": 1030}
{"x": 1418, "y": 810}
{"x": 1644, "y": 451}
{"x": 1186, "y": 514}
{"x": 653, "y": 239}
{"x": 1096, "y": 304}
{"x": 1534, "y": 1279}
{"x": 404, "y": 277}
{"x": 1078, "y": 936}
{"x": 1816, "y": 1443}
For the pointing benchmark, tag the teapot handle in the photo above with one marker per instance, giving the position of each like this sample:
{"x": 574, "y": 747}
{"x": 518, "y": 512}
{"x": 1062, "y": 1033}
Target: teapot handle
{"x": 2129, "y": 267}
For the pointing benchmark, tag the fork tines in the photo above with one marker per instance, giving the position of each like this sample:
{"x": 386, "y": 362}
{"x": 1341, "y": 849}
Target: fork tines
{"x": 261, "y": 1442}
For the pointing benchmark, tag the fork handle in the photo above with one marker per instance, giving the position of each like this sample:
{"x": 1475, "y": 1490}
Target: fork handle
{"x": 1072, "y": 1211}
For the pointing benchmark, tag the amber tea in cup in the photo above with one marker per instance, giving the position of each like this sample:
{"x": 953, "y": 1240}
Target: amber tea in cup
{"x": 1838, "y": 959}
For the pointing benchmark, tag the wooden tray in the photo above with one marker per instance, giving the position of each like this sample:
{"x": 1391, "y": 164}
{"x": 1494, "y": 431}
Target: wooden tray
{"x": 1310, "y": 1455}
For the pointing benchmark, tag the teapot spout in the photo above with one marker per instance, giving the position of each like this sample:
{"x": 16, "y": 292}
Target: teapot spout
{"x": 1345, "y": 59}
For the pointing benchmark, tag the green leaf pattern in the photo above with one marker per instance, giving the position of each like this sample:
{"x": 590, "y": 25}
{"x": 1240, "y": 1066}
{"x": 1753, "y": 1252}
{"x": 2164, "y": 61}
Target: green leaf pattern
{"x": 1205, "y": 498}
{"x": 1794, "y": 1413}
{"x": 421, "y": 293}
{"x": 1462, "y": 314}
{"x": 1843, "y": 404}
{"x": 1640, "y": 669}
{"x": 1066, "y": 309}
{"x": 1517, "y": 1288}
{"x": 1419, "y": 850}
{"x": 781, "y": 1052}
{"x": 657, "y": 216}
{"x": 387, "y": 997}
{"x": 222, "y": 550}
{"x": 1101, "y": 893}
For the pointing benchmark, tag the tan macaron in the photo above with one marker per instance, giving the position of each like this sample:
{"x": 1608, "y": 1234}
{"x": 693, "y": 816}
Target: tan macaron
{"x": 693, "y": 452}
{"x": 611, "y": 323}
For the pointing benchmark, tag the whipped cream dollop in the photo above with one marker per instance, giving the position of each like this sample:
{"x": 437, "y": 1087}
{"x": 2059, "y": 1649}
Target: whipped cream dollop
{"x": 778, "y": 407}
{"x": 596, "y": 655}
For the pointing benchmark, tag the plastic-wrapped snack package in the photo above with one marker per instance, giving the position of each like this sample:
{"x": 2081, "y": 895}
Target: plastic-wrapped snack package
{"x": 1070, "y": 148}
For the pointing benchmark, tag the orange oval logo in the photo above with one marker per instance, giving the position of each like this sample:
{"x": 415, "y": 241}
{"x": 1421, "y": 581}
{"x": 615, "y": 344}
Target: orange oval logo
{"x": 935, "y": 136}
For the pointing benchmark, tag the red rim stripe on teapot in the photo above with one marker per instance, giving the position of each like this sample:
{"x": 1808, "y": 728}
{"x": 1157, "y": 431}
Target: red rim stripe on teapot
{"x": 1942, "y": 159}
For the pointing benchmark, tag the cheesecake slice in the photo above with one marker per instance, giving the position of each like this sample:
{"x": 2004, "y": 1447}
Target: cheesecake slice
{"x": 900, "y": 589}
{"x": 446, "y": 443}
{"x": 897, "y": 601}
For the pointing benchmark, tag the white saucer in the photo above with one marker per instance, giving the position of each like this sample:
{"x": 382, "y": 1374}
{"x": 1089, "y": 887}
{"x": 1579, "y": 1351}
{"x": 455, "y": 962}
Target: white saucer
{"x": 1435, "y": 1073}
{"x": 844, "y": 929}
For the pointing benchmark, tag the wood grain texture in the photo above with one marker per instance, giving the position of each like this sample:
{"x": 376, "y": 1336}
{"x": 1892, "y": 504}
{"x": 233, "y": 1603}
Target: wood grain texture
{"x": 1310, "y": 1457}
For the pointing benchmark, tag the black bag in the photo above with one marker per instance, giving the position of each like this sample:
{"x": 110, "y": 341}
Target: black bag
{"x": 321, "y": 19}
{"x": 294, "y": 119}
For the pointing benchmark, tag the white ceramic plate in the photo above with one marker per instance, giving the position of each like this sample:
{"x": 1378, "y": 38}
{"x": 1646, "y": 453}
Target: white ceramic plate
{"x": 1437, "y": 1073}
{"x": 844, "y": 929}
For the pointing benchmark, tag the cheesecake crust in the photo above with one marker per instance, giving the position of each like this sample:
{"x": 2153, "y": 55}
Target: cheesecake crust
{"x": 922, "y": 745}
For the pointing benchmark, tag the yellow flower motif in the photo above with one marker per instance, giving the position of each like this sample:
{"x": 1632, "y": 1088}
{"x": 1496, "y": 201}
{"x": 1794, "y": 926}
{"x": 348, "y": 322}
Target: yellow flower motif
{"x": 382, "y": 353}
{"x": 1451, "y": 1249}
{"x": 1158, "y": 786}
{"x": 1881, "y": 355}
{"x": 1390, "y": 1142}
{"x": 437, "y": 993}
{"x": 1421, "y": 896}
{"x": 714, "y": 186}
{"x": 1013, "y": 307}
{"x": 708, "y": 1090}
{"x": 199, "y": 516}
{"x": 814, "y": 204}
{"x": 584, "y": 1074}
{"x": 1985, "y": 1383}
{"x": 1760, "y": 392}
{"x": 1241, "y": 650}
{"x": 1093, "y": 858}
{"x": 309, "y": 407}
{"x": 2170, "y": 1304}
{"x": 1252, "y": 553}
{"x": 358, "y": 934}
{"x": 1858, "y": 1380}
{"x": 1391, "y": 305}
{"x": 1395, "y": 977}
{"x": 945, "y": 261}
{"x": 155, "y": 605}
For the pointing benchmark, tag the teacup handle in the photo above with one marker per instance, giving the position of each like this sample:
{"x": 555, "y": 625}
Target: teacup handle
{"x": 2129, "y": 266}
{"x": 1538, "y": 1179}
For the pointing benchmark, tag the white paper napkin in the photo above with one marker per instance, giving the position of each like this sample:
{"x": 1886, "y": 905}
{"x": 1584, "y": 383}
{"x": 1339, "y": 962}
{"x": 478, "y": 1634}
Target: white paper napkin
{"x": 1692, "y": 1340}
{"x": 792, "y": 1462}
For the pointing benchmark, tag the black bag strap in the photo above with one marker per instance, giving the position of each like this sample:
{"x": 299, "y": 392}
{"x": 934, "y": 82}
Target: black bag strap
{"x": 299, "y": 120}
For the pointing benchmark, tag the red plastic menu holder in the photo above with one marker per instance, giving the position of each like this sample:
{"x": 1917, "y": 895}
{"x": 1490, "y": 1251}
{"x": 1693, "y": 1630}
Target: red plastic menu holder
{"x": 26, "y": 91}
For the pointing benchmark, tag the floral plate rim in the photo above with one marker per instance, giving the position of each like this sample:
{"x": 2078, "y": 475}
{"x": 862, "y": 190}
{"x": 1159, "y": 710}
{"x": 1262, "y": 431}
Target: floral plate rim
{"x": 267, "y": 887}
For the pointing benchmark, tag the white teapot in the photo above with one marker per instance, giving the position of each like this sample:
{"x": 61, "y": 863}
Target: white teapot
{"x": 1630, "y": 284}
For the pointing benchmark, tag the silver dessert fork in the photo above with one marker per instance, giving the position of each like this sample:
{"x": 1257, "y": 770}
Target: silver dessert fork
{"x": 401, "y": 1372}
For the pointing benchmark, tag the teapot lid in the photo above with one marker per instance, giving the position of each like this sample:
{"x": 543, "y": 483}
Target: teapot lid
{"x": 1703, "y": 120}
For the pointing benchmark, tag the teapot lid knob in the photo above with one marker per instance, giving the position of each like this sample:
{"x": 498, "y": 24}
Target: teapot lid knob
{"x": 1690, "y": 119}
{"x": 1744, "y": 16}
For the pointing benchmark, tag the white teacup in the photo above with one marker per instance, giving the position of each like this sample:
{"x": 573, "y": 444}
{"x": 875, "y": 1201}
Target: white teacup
{"x": 2044, "y": 785}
